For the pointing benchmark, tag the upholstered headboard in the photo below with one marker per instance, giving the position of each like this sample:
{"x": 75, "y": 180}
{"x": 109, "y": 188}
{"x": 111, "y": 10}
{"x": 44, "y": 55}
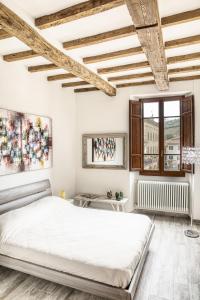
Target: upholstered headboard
{"x": 23, "y": 195}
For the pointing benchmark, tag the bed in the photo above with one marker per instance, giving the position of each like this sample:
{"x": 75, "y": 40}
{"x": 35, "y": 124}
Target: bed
{"x": 96, "y": 251}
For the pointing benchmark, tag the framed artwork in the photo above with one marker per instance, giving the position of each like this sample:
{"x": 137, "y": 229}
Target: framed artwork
{"x": 25, "y": 142}
{"x": 103, "y": 149}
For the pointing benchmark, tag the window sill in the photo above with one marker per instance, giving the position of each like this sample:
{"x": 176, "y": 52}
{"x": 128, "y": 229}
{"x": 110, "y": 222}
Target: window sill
{"x": 165, "y": 174}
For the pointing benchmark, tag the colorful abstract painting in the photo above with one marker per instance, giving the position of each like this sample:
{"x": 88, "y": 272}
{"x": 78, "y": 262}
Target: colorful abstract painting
{"x": 10, "y": 142}
{"x": 25, "y": 142}
{"x": 104, "y": 149}
{"x": 36, "y": 142}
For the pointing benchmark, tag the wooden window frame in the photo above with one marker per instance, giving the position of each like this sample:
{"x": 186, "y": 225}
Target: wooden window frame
{"x": 161, "y": 171}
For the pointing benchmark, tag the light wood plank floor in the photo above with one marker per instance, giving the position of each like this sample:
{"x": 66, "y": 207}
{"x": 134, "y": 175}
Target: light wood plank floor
{"x": 171, "y": 271}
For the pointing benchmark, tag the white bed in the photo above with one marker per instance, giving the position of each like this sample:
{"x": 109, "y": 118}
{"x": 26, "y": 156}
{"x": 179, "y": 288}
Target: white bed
{"x": 96, "y": 244}
{"x": 99, "y": 246}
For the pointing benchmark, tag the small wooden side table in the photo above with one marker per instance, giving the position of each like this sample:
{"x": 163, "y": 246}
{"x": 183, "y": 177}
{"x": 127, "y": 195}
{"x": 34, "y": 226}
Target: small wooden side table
{"x": 117, "y": 205}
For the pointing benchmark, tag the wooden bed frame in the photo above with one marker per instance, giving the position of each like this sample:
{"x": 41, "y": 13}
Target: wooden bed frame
{"x": 20, "y": 196}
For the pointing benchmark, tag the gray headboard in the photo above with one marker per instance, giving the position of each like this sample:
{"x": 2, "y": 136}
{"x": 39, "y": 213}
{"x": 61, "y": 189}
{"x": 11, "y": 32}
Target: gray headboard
{"x": 23, "y": 195}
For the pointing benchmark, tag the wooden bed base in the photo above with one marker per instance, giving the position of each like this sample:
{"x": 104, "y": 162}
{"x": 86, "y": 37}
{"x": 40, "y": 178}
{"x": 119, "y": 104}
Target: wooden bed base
{"x": 66, "y": 279}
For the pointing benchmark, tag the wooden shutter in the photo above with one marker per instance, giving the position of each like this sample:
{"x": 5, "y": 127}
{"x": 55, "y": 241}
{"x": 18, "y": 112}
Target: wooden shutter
{"x": 187, "y": 127}
{"x": 135, "y": 135}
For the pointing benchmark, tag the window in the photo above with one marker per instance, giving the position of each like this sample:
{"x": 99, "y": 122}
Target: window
{"x": 159, "y": 128}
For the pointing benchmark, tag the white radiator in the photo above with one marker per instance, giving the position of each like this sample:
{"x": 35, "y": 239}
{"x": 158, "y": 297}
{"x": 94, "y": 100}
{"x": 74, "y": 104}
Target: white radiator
{"x": 163, "y": 196}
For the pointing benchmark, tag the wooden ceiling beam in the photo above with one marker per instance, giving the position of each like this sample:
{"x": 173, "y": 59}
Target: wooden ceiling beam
{"x": 60, "y": 77}
{"x": 120, "y": 68}
{"x": 145, "y": 64}
{"x": 72, "y": 84}
{"x": 100, "y": 38}
{"x": 20, "y": 55}
{"x": 146, "y": 19}
{"x": 182, "y": 58}
{"x": 112, "y": 55}
{"x": 180, "y": 18}
{"x": 128, "y": 84}
{"x": 75, "y": 12}
{"x": 4, "y": 34}
{"x": 83, "y": 90}
{"x": 191, "y": 40}
{"x": 130, "y": 30}
{"x": 41, "y": 68}
{"x": 24, "y": 32}
{"x": 184, "y": 70}
{"x": 185, "y": 78}
{"x": 130, "y": 76}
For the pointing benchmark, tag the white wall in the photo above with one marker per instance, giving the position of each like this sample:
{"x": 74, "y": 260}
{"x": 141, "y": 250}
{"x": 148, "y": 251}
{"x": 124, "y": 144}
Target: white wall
{"x": 31, "y": 93}
{"x": 72, "y": 116}
{"x": 97, "y": 112}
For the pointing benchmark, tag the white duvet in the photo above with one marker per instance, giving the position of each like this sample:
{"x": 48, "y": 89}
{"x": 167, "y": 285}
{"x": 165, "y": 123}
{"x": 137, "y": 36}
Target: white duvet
{"x": 95, "y": 244}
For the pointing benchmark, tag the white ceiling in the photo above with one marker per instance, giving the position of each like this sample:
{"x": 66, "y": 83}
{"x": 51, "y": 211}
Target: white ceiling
{"x": 102, "y": 22}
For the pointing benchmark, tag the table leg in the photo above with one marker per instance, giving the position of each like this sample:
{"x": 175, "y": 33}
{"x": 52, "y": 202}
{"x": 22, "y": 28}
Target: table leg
{"x": 84, "y": 204}
{"x": 113, "y": 207}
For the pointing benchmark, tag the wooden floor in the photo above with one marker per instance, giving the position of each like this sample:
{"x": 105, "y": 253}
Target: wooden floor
{"x": 171, "y": 271}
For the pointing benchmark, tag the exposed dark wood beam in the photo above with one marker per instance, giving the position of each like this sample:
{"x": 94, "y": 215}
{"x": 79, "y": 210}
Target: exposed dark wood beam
{"x": 99, "y": 38}
{"x": 112, "y": 55}
{"x": 130, "y": 76}
{"x": 72, "y": 84}
{"x": 144, "y": 64}
{"x": 120, "y": 68}
{"x": 184, "y": 70}
{"x": 180, "y": 18}
{"x": 191, "y": 40}
{"x": 4, "y": 34}
{"x": 130, "y": 30}
{"x": 182, "y": 58}
{"x": 128, "y": 84}
{"x": 20, "y": 55}
{"x": 145, "y": 16}
{"x": 83, "y": 90}
{"x": 40, "y": 68}
{"x": 60, "y": 77}
{"x": 24, "y": 32}
{"x": 185, "y": 78}
{"x": 75, "y": 12}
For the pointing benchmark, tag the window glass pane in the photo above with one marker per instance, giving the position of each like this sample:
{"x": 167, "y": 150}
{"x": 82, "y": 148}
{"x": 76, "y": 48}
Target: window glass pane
{"x": 172, "y": 135}
{"x": 171, "y": 108}
{"x": 151, "y": 136}
{"x": 151, "y": 109}
{"x": 151, "y": 162}
{"x": 172, "y": 162}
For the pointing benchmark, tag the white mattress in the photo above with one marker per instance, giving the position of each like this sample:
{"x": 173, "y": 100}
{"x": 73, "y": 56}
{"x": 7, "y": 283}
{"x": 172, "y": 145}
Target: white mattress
{"x": 95, "y": 244}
